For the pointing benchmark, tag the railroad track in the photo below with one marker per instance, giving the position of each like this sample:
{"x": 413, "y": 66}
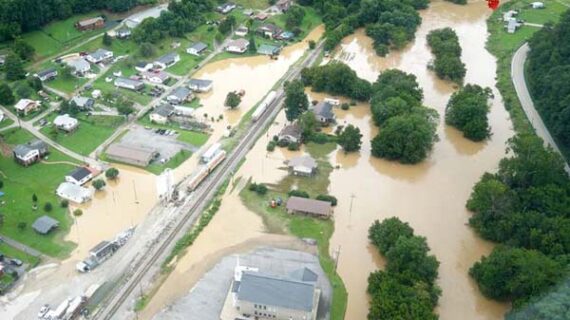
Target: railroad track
{"x": 201, "y": 197}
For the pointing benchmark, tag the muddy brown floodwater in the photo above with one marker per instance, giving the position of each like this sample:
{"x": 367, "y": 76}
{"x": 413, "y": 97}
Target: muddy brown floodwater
{"x": 430, "y": 196}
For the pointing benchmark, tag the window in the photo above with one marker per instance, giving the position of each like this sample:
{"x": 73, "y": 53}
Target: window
{"x": 264, "y": 307}
{"x": 255, "y": 312}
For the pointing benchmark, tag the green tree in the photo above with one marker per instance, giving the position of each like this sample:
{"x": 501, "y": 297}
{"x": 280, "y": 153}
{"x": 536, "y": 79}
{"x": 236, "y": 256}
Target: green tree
{"x": 34, "y": 198}
{"x": 112, "y": 173}
{"x": 445, "y": 46}
{"x": 6, "y": 96}
{"x": 232, "y": 100}
{"x": 147, "y": 49}
{"x": 227, "y": 25}
{"x": 66, "y": 73}
{"x": 64, "y": 203}
{"x": 252, "y": 46}
{"x": 35, "y": 83}
{"x": 99, "y": 184}
{"x": 409, "y": 257}
{"x": 14, "y": 68}
{"x": 48, "y": 207}
{"x": 407, "y": 139}
{"x": 350, "y": 139}
{"x": 22, "y": 226}
{"x": 337, "y": 79}
{"x": 512, "y": 274}
{"x": 385, "y": 234}
{"x": 23, "y": 49}
{"x": 78, "y": 212}
{"x": 107, "y": 40}
{"x": 296, "y": 101}
{"x": 294, "y": 17}
{"x": 312, "y": 44}
{"x": 23, "y": 90}
{"x": 308, "y": 124}
{"x": 467, "y": 111}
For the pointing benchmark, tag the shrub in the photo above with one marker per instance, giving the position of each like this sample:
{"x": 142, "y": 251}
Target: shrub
{"x": 283, "y": 143}
{"x": 78, "y": 212}
{"x": 328, "y": 198}
{"x": 22, "y": 226}
{"x": 1, "y": 184}
{"x": 48, "y": 207}
{"x": 271, "y": 146}
{"x": 293, "y": 146}
{"x": 299, "y": 193}
{"x": 260, "y": 188}
{"x": 345, "y": 106}
{"x": 64, "y": 203}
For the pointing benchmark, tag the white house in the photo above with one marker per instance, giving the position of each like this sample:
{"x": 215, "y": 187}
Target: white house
{"x": 79, "y": 176}
{"x": 130, "y": 84}
{"x": 143, "y": 66}
{"x": 179, "y": 95}
{"x": 537, "y": 5}
{"x": 238, "y": 46}
{"x": 1, "y": 115}
{"x": 66, "y": 123}
{"x": 46, "y": 75}
{"x": 80, "y": 66}
{"x": 25, "y": 106}
{"x": 159, "y": 77}
{"x": 241, "y": 31}
{"x": 200, "y": 85}
{"x": 197, "y": 48}
{"x": 167, "y": 60}
{"x": 99, "y": 55}
{"x": 162, "y": 113}
{"x": 73, "y": 192}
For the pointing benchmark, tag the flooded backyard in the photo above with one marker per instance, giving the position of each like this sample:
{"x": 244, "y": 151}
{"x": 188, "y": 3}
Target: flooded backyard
{"x": 430, "y": 196}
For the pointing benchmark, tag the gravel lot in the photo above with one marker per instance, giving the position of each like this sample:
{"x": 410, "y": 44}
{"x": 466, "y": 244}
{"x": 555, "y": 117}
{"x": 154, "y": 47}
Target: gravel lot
{"x": 206, "y": 299}
{"x": 166, "y": 145}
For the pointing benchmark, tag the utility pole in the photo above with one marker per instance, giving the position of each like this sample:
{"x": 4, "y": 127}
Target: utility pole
{"x": 135, "y": 190}
{"x": 337, "y": 258}
{"x": 352, "y": 196}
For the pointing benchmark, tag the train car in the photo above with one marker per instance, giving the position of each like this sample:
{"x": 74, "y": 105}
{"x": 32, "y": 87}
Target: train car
{"x": 197, "y": 178}
{"x": 209, "y": 154}
{"x": 263, "y": 105}
{"x": 216, "y": 160}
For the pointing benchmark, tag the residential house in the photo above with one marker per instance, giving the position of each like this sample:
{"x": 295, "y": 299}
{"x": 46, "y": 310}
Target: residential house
{"x": 103, "y": 251}
{"x": 269, "y": 50}
{"x": 79, "y": 66}
{"x": 241, "y": 31}
{"x": 200, "y": 85}
{"x": 25, "y": 106}
{"x": 316, "y": 208}
{"x": 90, "y": 24}
{"x": 45, "y": 224}
{"x": 269, "y": 30}
{"x": 47, "y": 74}
{"x": 79, "y": 176}
{"x": 2, "y": 115}
{"x": 238, "y": 46}
{"x": 179, "y": 95}
{"x": 512, "y": 25}
{"x": 509, "y": 14}
{"x": 283, "y": 5}
{"x": 226, "y": 7}
{"x": 167, "y": 60}
{"x": 323, "y": 112}
{"x": 537, "y": 5}
{"x": 143, "y": 66}
{"x": 261, "y": 16}
{"x": 125, "y": 153}
{"x": 2, "y": 59}
{"x": 158, "y": 77}
{"x": 285, "y": 35}
{"x": 123, "y": 33}
{"x": 99, "y": 55}
{"x": 73, "y": 192}
{"x": 162, "y": 113}
{"x": 291, "y": 133}
{"x": 197, "y": 48}
{"x": 130, "y": 84}
{"x": 66, "y": 123}
{"x": 31, "y": 152}
{"x": 83, "y": 103}
{"x": 304, "y": 166}
{"x": 258, "y": 295}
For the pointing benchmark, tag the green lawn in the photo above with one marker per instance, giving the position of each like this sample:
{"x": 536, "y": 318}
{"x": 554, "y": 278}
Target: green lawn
{"x": 174, "y": 162}
{"x": 310, "y": 21}
{"x": 12, "y": 252}
{"x": 196, "y": 139}
{"x": 109, "y": 88}
{"x": 92, "y": 132}
{"x": 67, "y": 85}
{"x": 253, "y": 4}
{"x": 6, "y": 122}
{"x": 20, "y": 184}
{"x": 552, "y": 12}
{"x": 277, "y": 220}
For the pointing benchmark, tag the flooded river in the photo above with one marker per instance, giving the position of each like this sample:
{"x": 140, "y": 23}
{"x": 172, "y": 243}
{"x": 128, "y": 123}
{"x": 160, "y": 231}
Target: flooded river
{"x": 430, "y": 196}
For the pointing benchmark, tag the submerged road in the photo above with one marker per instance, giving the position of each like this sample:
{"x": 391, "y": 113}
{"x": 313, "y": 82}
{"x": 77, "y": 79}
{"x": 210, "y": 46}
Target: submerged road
{"x": 518, "y": 76}
{"x": 143, "y": 271}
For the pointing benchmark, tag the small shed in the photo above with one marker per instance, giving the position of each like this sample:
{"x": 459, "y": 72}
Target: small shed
{"x": 316, "y": 208}
{"x": 44, "y": 224}
{"x": 268, "y": 49}
{"x": 302, "y": 166}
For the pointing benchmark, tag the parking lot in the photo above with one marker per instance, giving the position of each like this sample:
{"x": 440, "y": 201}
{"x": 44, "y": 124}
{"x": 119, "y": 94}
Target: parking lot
{"x": 163, "y": 141}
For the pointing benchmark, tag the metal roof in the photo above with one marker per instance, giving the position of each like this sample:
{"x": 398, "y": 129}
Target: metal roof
{"x": 44, "y": 224}
{"x": 167, "y": 58}
{"x": 180, "y": 93}
{"x": 22, "y": 150}
{"x": 199, "y": 46}
{"x": 316, "y": 207}
{"x": 79, "y": 173}
{"x": 303, "y": 161}
{"x": 199, "y": 82}
{"x": 164, "y": 110}
{"x": 46, "y": 72}
{"x": 273, "y": 291}
{"x": 100, "y": 54}
{"x": 324, "y": 109}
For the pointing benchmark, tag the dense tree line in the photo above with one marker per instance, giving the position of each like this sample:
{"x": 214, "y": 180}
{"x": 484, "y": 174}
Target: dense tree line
{"x": 408, "y": 129}
{"x": 445, "y": 46}
{"x": 337, "y": 79}
{"x": 390, "y": 23}
{"x": 467, "y": 111}
{"x": 526, "y": 207}
{"x": 19, "y": 16}
{"x": 181, "y": 17}
{"x": 549, "y": 75}
{"x": 406, "y": 289}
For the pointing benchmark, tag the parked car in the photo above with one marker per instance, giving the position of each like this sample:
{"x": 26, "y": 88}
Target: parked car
{"x": 16, "y": 262}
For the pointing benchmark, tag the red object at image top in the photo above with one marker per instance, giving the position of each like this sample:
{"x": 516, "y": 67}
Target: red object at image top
{"x": 493, "y": 4}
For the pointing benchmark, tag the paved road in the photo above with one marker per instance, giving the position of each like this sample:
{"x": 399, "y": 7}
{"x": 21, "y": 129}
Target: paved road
{"x": 517, "y": 74}
{"x": 20, "y": 246}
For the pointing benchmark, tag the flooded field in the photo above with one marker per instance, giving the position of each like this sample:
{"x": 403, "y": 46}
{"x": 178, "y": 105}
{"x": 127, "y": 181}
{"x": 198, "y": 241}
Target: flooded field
{"x": 430, "y": 196}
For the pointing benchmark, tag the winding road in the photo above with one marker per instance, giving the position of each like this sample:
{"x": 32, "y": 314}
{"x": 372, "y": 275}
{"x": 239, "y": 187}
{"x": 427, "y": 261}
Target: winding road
{"x": 518, "y": 76}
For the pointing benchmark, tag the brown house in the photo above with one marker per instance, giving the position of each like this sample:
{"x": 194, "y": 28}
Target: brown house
{"x": 316, "y": 208}
{"x": 90, "y": 24}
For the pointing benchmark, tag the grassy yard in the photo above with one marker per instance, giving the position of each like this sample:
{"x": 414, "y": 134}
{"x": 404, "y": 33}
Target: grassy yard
{"x": 503, "y": 45}
{"x": 92, "y": 131}
{"x": 20, "y": 184}
{"x": 310, "y": 21}
{"x": 12, "y": 252}
{"x": 174, "y": 162}
{"x": 6, "y": 122}
{"x": 66, "y": 85}
{"x": 277, "y": 220}
{"x": 109, "y": 88}
{"x": 253, "y": 4}
{"x": 196, "y": 139}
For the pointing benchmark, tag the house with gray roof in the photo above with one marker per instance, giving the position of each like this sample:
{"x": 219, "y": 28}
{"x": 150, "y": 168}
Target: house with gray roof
{"x": 197, "y": 48}
{"x": 162, "y": 113}
{"x": 83, "y": 103}
{"x": 200, "y": 85}
{"x": 167, "y": 60}
{"x": 291, "y": 133}
{"x": 44, "y": 224}
{"x": 123, "y": 33}
{"x": 179, "y": 95}
{"x": 317, "y": 208}
{"x": 266, "y": 296}
{"x": 323, "y": 112}
{"x": 47, "y": 74}
{"x": 302, "y": 166}
{"x": 130, "y": 84}
{"x": 29, "y": 153}
{"x": 72, "y": 192}
{"x": 268, "y": 50}
{"x": 99, "y": 55}
{"x": 79, "y": 66}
